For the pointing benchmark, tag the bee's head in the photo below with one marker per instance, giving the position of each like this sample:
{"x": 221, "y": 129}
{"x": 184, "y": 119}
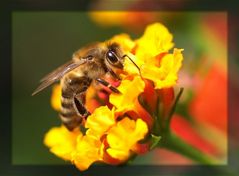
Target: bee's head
{"x": 113, "y": 57}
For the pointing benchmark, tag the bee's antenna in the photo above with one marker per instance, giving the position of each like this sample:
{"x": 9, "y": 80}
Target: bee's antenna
{"x": 133, "y": 63}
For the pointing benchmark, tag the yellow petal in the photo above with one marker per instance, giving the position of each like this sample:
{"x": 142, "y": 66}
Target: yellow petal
{"x": 156, "y": 39}
{"x": 130, "y": 91}
{"x": 123, "y": 137}
{"x": 99, "y": 122}
{"x": 56, "y": 97}
{"x": 61, "y": 141}
{"x": 129, "y": 66}
{"x": 166, "y": 74}
{"x": 87, "y": 152}
{"x": 124, "y": 40}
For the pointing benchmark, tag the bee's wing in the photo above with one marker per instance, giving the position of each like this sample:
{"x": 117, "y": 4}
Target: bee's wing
{"x": 58, "y": 74}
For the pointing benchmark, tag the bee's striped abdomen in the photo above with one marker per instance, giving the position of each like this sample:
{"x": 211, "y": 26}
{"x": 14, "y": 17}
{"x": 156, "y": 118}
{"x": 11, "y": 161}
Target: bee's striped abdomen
{"x": 73, "y": 99}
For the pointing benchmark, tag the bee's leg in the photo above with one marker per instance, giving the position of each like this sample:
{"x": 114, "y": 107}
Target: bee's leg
{"x": 107, "y": 84}
{"x": 113, "y": 74}
{"x": 79, "y": 101}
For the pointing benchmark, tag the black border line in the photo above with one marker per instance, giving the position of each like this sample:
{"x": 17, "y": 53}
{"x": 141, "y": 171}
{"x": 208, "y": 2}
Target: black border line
{"x": 6, "y": 168}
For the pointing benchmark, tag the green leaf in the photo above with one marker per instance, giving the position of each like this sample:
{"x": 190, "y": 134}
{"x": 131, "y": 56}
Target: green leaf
{"x": 154, "y": 141}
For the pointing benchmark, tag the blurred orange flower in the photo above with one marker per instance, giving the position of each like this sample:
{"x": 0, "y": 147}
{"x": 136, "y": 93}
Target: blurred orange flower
{"x": 125, "y": 19}
{"x": 210, "y": 99}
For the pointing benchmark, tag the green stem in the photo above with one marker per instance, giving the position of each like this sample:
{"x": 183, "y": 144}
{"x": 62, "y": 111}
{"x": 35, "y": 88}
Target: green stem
{"x": 174, "y": 143}
{"x": 170, "y": 115}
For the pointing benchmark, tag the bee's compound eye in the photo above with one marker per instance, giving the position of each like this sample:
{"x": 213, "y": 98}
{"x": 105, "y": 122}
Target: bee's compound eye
{"x": 112, "y": 57}
{"x": 90, "y": 57}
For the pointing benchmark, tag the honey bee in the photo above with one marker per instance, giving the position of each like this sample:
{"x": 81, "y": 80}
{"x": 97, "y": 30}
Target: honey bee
{"x": 87, "y": 65}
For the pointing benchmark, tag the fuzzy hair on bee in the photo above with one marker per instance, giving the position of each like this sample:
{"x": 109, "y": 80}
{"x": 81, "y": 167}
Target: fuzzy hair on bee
{"x": 87, "y": 66}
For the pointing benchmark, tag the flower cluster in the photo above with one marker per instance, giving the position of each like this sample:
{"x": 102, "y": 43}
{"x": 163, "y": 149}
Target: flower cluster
{"x": 126, "y": 124}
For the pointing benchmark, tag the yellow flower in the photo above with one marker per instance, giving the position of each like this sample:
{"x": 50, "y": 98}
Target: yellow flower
{"x": 99, "y": 122}
{"x": 130, "y": 90}
{"x": 89, "y": 147}
{"x": 86, "y": 152}
{"x": 112, "y": 133}
{"x": 165, "y": 75}
{"x": 61, "y": 141}
{"x": 129, "y": 67}
{"x": 123, "y": 137}
{"x": 56, "y": 97}
{"x": 151, "y": 55}
{"x": 156, "y": 39}
{"x": 125, "y": 42}
{"x": 83, "y": 150}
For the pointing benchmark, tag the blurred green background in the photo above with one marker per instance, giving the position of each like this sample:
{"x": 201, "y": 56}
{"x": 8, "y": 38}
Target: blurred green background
{"x": 41, "y": 41}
